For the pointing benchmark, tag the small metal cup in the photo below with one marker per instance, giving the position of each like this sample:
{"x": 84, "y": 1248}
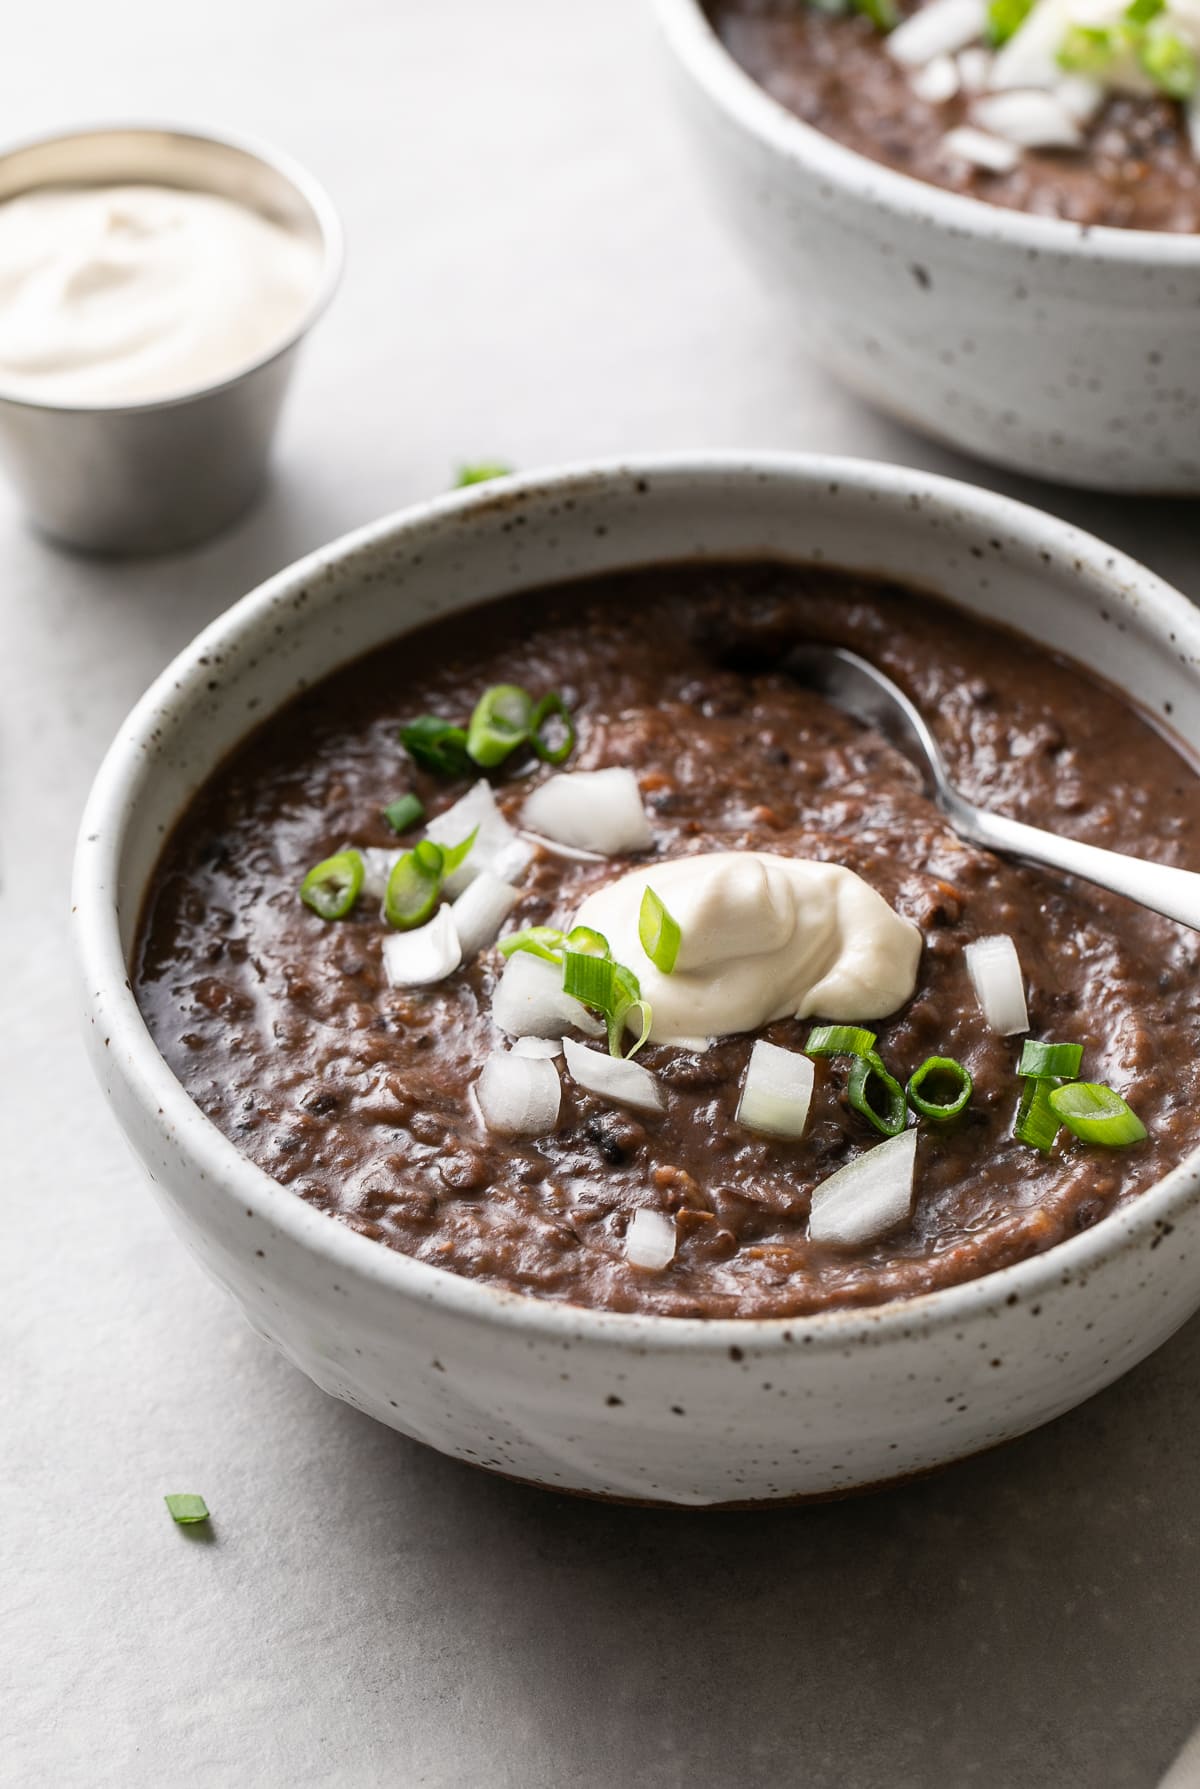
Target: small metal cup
{"x": 150, "y": 477}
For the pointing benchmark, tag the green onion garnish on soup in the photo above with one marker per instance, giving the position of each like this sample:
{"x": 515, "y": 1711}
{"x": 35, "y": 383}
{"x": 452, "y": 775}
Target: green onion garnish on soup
{"x": 404, "y": 812}
{"x": 839, "y": 1040}
{"x": 1096, "y": 1114}
{"x": 436, "y": 745}
{"x": 940, "y": 1076}
{"x": 877, "y": 1095}
{"x": 331, "y": 887}
{"x": 658, "y": 932}
{"x": 499, "y": 724}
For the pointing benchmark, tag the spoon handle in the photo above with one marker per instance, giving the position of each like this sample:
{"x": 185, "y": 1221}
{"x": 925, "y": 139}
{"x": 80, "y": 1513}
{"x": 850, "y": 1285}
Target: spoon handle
{"x": 1174, "y": 893}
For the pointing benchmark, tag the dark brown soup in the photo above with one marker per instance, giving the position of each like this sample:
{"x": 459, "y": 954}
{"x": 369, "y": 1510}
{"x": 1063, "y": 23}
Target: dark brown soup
{"x": 357, "y": 1095}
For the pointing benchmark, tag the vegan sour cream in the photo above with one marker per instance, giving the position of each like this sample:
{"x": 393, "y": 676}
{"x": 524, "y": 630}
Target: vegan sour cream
{"x": 762, "y": 938}
{"x": 121, "y": 294}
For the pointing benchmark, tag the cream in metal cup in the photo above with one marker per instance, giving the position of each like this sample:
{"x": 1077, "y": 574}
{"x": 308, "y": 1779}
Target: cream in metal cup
{"x": 153, "y": 475}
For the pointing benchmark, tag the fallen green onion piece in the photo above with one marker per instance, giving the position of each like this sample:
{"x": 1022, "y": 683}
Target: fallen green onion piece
{"x": 864, "y": 1071}
{"x": 480, "y": 474}
{"x": 590, "y": 979}
{"x": 1005, "y": 18}
{"x": 1086, "y": 50}
{"x": 1036, "y": 1122}
{"x": 186, "y": 1507}
{"x": 436, "y": 745}
{"x": 1096, "y": 1113}
{"x": 332, "y": 886}
{"x": 659, "y": 933}
{"x": 552, "y": 707}
{"x": 940, "y": 1069}
{"x": 499, "y": 724}
{"x": 404, "y": 812}
{"x": 1170, "y": 63}
{"x": 539, "y": 941}
{"x": 1047, "y": 1061}
{"x": 839, "y": 1040}
{"x": 414, "y": 887}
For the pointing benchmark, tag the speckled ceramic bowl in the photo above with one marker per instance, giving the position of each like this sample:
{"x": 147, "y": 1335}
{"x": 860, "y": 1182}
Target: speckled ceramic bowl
{"x": 677, "y": 1411}
{"x": 1044, "y": 346}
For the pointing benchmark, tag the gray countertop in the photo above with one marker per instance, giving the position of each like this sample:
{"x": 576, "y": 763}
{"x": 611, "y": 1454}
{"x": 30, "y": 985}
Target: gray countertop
{"x": 533, "y": 273}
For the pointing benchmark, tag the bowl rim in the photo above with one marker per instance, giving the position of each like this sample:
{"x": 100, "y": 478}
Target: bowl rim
{"x": 691, "y": 37}
{"x": 277, "y": 161}
{"x": 111, "y": 1010}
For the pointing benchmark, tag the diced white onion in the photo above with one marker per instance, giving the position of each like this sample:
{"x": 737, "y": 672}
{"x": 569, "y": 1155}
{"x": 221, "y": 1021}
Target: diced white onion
{"x": 537, "y": 1046}
{"x": 377, "y": 867}
{"x": 777, "y": 1091}
{"x": 481, "y": 909}
{"x": 650, "y": 1240}
{"x": 995, "y": 970}
{"x": 1080, "y": 98}
{"x": 529, "y": 1001}
{"x": 868, "y": 1196}
{"x": 614, "y": 1077}
{"x": 1031, "y": 119}
{"x": 476, "y": 809}
{"x": 600, "y": 810}
{"x": 936, "y": 81}
{"x": 974, "y": 66}
{"x": 560, "y": 850}
{"x": 996, "y": 154}
{"x": 429, "y": 954}
{"x": 518, "y": 1096}
{"x": 938, "y": 29}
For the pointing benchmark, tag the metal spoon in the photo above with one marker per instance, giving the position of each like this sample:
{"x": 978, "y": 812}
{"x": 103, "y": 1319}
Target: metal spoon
{"x": 865, "y": 693}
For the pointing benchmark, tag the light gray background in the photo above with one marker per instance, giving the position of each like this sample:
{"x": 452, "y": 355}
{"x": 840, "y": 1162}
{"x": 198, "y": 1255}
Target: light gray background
{"x": 534, "y": 272}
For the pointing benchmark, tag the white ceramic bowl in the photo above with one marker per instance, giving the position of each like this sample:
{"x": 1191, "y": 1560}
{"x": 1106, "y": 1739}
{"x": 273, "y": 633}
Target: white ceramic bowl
{"x": 1040, "y": 345}
{"x": 680, "y": 1411}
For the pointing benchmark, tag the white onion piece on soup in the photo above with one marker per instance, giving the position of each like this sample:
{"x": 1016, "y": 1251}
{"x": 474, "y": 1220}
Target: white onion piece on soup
{"x": 378, "y": 863}
{"x": 613, "y": 1077}
{"x": 994, "y": 154}
{"x": 537, "y": 1046}
{"x": 1079, "y": 97}
{"x": 529, "y": 1001}
{"x": 870, "y": 1195}
{"x": 938, "y": 29}
{"x": 937, "y": 82}
{"x": 477, "y": 810}
{"x": 650, "y": 1240}
{"x": 973, "y": 67}
{"x": 518, "y": 1096}
{"x": 481, "y": 909}
{"x": 776, "y": 1092}
{"x": 429, "y": 954}
{"x": 1033, "y": 120}
{"x": 598, "y": 810}
{"x": 995, "y": 971}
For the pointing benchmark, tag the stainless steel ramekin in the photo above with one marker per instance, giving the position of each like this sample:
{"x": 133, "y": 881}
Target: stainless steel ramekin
{"x": 148, "y": 477}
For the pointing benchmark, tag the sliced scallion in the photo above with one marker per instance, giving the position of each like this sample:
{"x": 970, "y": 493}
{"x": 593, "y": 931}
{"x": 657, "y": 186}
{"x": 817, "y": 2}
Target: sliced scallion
{"x": 539, "y": 941}
{"x": 1087, "y": 49}
{"x": 1005, "y": 18}
{"x": 186, "y": 1507}
{"x": 1047, "y": 1061}
{"x": 414, "y": 887}
{"x": 331, "y": 887}
{"x": 1140, "y": 12}
{"x": 883, "y": 14}
{"x": 839, "y": 1040}
{"x": 436, "y": 745}
{"x": 938, "y": 1074}
{"x": 590, "y": 979}
{"x": 404, "y": 812}
{"x": 481, "y": 472}
{"x": 552, "y": 708}
{"x": 453, "y": 856}
{"x": 1036, "y": 1122}
{"x": 499, "y": 724}
{"x": 659, "y": 932}
{"x": 887, "y": 1115}
{"x": 1170, "y": 62}
{"x": 587, "y": 941}
{"x": 1096, "y": 1113}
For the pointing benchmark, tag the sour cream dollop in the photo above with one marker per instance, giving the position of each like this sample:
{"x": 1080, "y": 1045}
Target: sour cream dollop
{"x": 121, "y": 294}
{"x": 762, "y": 938}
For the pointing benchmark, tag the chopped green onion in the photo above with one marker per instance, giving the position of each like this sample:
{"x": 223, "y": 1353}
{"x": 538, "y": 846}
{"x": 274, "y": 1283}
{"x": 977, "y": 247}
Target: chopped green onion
{"x": 627, "y": 994}
{"x": 839, "y": 1040}
{"x": 481, "y": 472}
{"x": 539, "y": 941}
{"x": 883, "y": 14}
{"x": 414, "y": 887}
{"x": 499, "y": 724}
{"x": 1047, "y": 1061}
{"x": 1005, "y": 18}
{"x": 1087, "y": 50}
{"x": 1036, "y": 1122}
{"x": 659, "y": 933}
{"x": 1170, "y": 63}
{"x": 589, "y": 978}
{"x": 332, "y": 886}
{"x": 186, "y": 1507}
{"x": 940, "y": 1070}
{"x": 864, "y": 1071}
{"x": 453, "y": 856}
{"x": 647, "y": 1015}
{"x": 589, "y": 941}
{"x": 436, "y": 745}
{"x": 1097, "y": 1114}
{"x": 404, "y": 812}
{"x": 552, "y": 707}
{"x": 1140, "y": 12}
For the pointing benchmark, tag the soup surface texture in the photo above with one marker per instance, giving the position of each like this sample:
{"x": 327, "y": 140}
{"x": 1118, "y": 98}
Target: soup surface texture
{"x": 358, "y": 1096}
